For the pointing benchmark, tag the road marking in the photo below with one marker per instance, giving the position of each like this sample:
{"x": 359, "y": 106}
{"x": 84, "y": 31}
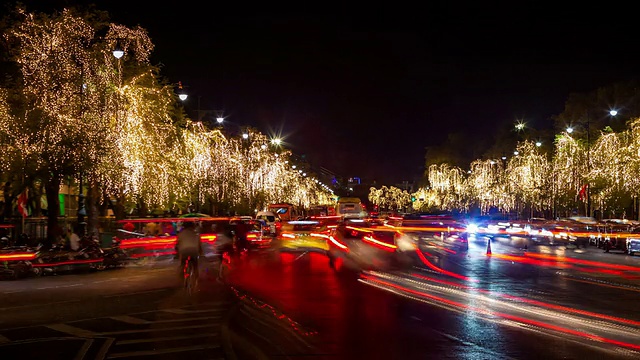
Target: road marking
{"x": 183, "y": 311}
{"x": 4, "y": 339}
{"x": 36, "y": 305}
{"x": 162, "y": 351}
{"x": 83, "y": 350}
{"x": 155, "y": 330}
{"x": 188, "y": 319}
{"x": 167, "y": 338}
{"x": 72, "y": 330}
{"x": 301, "y": 255}
{"x": 13, "y": 292}
{"x": 102, "y": 353}
{"x": 130, "y": 319}
{"x": 136, "y": 293}
{"x": 57, "y": 287}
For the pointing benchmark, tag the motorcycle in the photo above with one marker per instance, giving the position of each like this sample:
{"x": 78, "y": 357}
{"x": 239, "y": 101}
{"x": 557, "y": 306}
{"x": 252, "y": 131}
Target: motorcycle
{"x": 115, "y": 256}
{"x": 58, "y": 258}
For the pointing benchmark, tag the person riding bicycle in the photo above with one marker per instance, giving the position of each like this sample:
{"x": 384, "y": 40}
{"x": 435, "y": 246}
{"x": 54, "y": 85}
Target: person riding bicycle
{"x": 189, "y": 245}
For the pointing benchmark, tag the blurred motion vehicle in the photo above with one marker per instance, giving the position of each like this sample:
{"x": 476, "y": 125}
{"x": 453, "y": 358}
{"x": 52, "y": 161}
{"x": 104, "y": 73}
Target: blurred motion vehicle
{"x": 363, "y": 244}
{"x": 15, "y": 260}
{"x": 248, "y": 234}
{"x": 284, "y": 211}
{"x": 272, "y": 221}
{"x": 304, "y": 235}
{"x": 617, "y": 235}
{"x": 350, "y": 207}
{"x": 439, "y": 231}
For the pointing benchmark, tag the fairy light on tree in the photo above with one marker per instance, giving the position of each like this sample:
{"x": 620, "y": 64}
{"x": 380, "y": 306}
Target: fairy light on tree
{"x": 528, "y": 177}
{"x": 484, "y": 185}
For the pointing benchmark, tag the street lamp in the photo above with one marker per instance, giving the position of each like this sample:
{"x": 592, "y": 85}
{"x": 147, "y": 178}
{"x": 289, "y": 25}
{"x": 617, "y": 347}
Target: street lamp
{"x": 182, "y": 95}
{"x": 538, "y": 143}
{"x": 569, "y": 130}
{"x": 219, "y": 119}
{"x": 245, "y": 136}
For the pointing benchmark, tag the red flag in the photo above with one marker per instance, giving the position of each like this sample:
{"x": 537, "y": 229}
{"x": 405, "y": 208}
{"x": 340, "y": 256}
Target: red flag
{"x": 582, "y": 194}
{"x": 22, "y": 204}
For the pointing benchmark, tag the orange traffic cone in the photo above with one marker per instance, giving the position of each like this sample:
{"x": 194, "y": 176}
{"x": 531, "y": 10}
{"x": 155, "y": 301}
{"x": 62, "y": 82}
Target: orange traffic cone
{"x": 488, "y": 246}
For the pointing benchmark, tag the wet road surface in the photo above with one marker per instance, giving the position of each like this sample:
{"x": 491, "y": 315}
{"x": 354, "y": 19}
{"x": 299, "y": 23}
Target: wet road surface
{"x": 459, "y": 306}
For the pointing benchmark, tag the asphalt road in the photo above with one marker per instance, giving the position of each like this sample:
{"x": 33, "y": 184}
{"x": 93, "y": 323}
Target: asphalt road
{"x": 133, "y": 312}
{"x": 513, "y": 304}
{"x": 543, "y": 303}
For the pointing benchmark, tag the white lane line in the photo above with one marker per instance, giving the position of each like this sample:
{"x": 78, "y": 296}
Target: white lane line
{"x": 58, "y": 286}
{"x": 156, "y": 330}
{"x": 4, "y": 339}
{"x": 167, "y": 338}
{"x": 301, "y": 255}
{"x": 130, "y": 319}
{"x": 36, "y": 305}
{"x": 72, "y": 330}
{"x": 136, "y": 293}
{"x": 162, "y": 351}
{"x": 13, "y": 292}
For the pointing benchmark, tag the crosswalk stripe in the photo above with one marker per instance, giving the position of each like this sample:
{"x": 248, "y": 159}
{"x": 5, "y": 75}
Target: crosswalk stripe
{"x": 156, "y": 330}
{"x": 75, "y": 331}
{"x": 166, "y": 338}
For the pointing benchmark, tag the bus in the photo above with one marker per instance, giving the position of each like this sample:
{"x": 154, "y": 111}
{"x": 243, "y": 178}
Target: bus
{"x": 284, "y": 211}
{"x": 350, "y": 207}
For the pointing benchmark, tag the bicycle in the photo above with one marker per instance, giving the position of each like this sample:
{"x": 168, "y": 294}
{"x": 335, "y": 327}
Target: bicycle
{"x": 190, "y": 276}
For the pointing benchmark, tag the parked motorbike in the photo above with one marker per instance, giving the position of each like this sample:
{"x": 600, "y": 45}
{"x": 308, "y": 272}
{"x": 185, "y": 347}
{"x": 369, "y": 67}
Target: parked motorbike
{"x": 115, "y": 256}
{"x": 58, "y": 258}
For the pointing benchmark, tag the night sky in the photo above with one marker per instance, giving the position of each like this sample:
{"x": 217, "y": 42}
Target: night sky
{"x": 363, "y": 90}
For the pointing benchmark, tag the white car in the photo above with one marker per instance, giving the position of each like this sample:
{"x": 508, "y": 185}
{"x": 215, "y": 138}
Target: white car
{"x": 270, "y": 218}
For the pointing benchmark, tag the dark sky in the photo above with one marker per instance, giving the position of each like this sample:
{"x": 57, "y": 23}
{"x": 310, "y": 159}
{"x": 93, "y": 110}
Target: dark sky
{"x": 363, "y": 90}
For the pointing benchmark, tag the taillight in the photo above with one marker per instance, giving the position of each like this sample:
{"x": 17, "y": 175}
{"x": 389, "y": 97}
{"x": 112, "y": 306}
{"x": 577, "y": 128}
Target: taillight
{"x": 382, "y": 242}
{"x": 210, "y": 238}
{"x": 252, "y": 236}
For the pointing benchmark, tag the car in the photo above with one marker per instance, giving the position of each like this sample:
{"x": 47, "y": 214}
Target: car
{"x": 303, "y": 235}
{"x": 271, "y": 219}
{"x": 248, "y": 234}
{"x": 363, "y": 244}
{"x": 438, "y": 231}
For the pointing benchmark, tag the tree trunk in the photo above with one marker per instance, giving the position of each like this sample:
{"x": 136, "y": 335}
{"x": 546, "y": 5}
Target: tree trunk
{"x": 91, "y": 202}
{"x": 52, "y": 187}
{"x": 118, "y": 209}
{"x": 8, "y": 201}
{"x": 37, "y": 198}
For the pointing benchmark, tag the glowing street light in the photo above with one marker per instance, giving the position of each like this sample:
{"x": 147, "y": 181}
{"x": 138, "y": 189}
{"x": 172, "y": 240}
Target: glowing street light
{"x": 569, "y": 130}
{"x": 181, "y": 94}
{"x": 613, "y": 112}
{"x": 245, "y": 136}
{"x": 516, "y": 153}
{"x": 219, "y": 119}
{"x": 538, "y": 143}
{"x": 118, "y": 53}
{"x": 276, "y": 141}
